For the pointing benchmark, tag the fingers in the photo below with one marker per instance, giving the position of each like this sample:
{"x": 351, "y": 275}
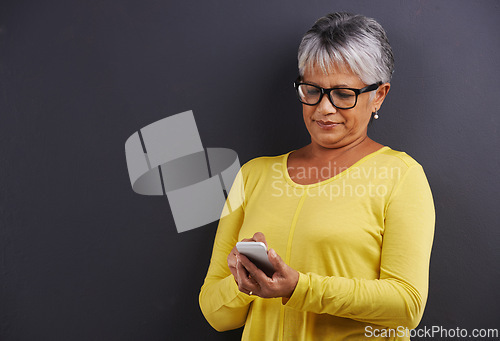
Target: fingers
{"x": 285, "y": 275}
{"x": 231, "y": 258}
{"x": 246, "y": 280}
{"x": 253, "y": 281}
{"x": 247, "y": 240}
{"x": 278, "y": 263}
{"x": 254, "y": 272}
{"x": 247, "y": 275}
{"x": 259, "y": 237}
{"x": 232, "y": 262}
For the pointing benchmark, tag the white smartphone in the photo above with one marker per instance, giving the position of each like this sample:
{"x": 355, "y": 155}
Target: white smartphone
{"x": 257, "y": 253}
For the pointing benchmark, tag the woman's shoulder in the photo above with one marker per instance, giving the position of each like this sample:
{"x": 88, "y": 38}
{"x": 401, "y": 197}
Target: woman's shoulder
{"x": 396, "y": 158}
{"x": 264, "y": 162}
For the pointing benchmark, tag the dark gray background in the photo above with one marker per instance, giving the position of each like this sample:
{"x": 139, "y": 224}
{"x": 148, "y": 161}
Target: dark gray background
{"x": 85, "y": 258}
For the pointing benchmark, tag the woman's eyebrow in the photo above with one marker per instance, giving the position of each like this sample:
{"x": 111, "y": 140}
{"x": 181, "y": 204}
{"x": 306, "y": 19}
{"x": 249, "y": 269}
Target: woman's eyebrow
{"x": 335, "y": 86}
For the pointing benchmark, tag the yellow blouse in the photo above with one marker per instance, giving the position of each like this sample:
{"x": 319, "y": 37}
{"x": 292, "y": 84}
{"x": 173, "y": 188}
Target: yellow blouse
{"x": 361, "y": 241}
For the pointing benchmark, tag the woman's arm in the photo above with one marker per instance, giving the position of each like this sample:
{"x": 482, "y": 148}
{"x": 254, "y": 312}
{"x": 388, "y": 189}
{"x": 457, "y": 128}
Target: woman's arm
{"x": 398, "y": 297}
{"x": 222, "y": 304}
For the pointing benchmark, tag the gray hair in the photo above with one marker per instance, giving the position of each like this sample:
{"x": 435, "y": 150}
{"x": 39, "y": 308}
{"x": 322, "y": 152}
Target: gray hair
{"x": 344, "y": 39}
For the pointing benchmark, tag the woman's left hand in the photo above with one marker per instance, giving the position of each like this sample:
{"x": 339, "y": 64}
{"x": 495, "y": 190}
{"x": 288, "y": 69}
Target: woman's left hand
{"x": 253, "y": 280}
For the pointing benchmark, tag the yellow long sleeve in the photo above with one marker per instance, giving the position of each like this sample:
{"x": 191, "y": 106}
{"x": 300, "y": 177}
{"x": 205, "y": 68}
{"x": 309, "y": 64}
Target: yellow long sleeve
{"x": 222, "y": 304}
{"x": 361, "y": 242}
{"x": 398, "y": 297}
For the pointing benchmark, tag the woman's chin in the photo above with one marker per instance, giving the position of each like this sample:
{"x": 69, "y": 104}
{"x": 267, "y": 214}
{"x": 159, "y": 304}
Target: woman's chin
{"x": 328, "y": 143}
{"x": 328, "y": 140}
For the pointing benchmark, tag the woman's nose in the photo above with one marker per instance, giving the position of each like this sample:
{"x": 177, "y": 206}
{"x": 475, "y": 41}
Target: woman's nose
{"x": 325, "y": 106}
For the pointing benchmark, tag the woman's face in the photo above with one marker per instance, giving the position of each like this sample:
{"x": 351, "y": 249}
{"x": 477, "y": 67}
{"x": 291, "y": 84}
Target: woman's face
{"x": 330, "y": 127}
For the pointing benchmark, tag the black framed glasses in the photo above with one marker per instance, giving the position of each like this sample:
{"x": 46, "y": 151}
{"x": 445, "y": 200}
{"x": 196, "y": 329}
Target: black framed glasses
{"x": 341, "y": 98}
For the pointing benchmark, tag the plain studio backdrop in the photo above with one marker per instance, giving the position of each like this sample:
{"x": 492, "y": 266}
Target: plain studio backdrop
{"x": 85, "y": 258}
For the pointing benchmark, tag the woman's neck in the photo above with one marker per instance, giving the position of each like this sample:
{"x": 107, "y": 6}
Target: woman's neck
{"x": 362, "y": 145}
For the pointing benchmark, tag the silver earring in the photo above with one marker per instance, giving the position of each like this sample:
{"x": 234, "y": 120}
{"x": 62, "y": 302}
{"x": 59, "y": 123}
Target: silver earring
{"x": 376, "y": 114}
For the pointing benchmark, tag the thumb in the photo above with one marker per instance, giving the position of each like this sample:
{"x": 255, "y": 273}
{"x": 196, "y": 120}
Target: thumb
{"x": 278, "y": 263}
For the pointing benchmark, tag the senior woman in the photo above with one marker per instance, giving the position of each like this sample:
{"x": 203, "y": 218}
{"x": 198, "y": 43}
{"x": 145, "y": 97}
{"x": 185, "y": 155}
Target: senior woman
{"x": 348, "y": 221}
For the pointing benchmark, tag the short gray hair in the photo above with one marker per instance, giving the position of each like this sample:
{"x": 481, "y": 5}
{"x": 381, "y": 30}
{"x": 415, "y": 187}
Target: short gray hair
{"x": 345, "y": 39}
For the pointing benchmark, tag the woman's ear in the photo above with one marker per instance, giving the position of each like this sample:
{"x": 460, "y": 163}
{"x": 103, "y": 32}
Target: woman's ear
{"x": 380, "y": 95}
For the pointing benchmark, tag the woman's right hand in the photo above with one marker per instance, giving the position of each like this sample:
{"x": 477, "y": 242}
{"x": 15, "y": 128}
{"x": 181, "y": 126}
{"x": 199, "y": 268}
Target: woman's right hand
{"x": 232, "y": 259}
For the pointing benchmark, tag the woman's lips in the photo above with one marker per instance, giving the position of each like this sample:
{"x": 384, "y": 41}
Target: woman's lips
{"x": 327, "y": 124}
